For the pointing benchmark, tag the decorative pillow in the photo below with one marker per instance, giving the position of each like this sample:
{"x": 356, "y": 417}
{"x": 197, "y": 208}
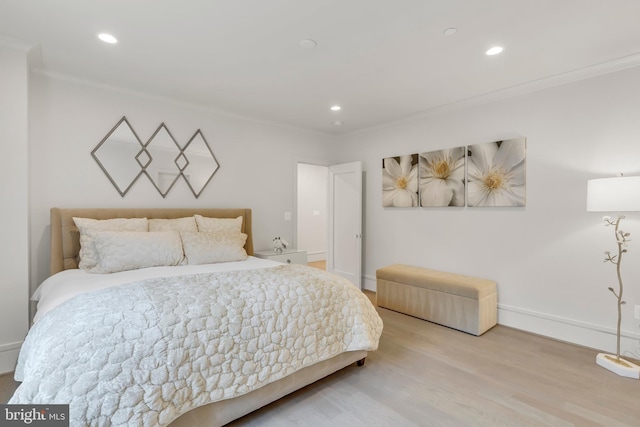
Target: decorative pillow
{"x": 208, "y": 247}
{"x": 219, "y": 224}
{"x": 89, "y": 227}
{"x": 177, "y": 224}
{"x": 130, "y": 250}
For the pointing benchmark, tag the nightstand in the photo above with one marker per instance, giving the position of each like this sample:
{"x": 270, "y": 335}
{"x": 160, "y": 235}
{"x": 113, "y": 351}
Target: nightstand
{"x": 287, "y": 256}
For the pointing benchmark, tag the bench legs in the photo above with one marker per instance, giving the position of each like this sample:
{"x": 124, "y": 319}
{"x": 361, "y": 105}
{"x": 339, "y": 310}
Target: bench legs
{"x": 361, "y": 362}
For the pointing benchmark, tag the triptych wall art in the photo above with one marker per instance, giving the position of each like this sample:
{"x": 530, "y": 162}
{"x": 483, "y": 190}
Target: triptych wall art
{"x": 489, "y": 174}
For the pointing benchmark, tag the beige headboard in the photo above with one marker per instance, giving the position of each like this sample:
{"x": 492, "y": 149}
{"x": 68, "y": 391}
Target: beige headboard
{"x": 65, "y": 238}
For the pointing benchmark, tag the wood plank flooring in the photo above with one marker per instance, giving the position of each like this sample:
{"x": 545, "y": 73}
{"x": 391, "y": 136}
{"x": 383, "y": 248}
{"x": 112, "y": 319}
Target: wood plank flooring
{"x": 322, "y": 265}
{"x": 7, "y": 387}
{"x": 429, "y": 375}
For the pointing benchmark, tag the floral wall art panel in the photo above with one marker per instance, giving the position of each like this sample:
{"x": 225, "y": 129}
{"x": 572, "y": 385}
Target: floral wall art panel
{"x": 441, "y": 177}
{"x": 496, "y": 173}
{"x": 400, "y": 181}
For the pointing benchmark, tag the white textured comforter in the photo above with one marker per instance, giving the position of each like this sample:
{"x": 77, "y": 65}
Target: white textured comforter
{"x": 146, "y": 352}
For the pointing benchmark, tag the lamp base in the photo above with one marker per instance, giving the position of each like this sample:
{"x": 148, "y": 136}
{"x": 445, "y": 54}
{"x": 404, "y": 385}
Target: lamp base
{"x": 621, "y": 367}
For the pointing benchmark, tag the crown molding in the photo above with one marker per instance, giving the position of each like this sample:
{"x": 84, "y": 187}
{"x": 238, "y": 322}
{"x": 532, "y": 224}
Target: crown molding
{"x": 10, "y": 42}
{"x": 176, "y": 101}
{"x": 556, "y": 80}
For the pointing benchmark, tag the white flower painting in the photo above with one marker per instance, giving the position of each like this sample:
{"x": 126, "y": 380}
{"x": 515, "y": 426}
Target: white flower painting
{"x": 496, "y": 173}
{"x": 441, "y": 177}
{"x": 400, "y": 181}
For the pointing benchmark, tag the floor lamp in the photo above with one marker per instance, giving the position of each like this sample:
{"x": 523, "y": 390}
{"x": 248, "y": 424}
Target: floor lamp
{"x": 619, "y": 194}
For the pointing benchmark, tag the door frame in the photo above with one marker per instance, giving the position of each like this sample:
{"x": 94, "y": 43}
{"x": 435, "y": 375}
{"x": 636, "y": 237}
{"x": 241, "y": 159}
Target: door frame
{"x": 360, "y": 232}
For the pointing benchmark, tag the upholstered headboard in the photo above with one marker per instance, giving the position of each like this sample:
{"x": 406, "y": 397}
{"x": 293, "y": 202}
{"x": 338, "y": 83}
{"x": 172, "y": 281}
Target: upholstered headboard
{"x": 65, "y": 238}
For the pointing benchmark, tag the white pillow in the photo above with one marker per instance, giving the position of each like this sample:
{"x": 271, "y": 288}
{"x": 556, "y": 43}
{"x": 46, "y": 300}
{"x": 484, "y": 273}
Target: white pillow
{"x": 89, "y": 227}
{"x": 177, "y": 224}
{"x": 130, "y": 250}
{"x": 208, "y": 247}
{"x": 219, "y": 224}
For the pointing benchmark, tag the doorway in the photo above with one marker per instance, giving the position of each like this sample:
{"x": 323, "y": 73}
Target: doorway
{"x": 329, "y": 216}
{"x": 311, "y": 215}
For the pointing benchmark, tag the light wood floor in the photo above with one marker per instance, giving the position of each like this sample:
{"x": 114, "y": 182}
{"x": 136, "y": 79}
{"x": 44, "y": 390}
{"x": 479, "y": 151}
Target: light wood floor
{"x": 322, "y": 265}
{"x": 428, "y": 375}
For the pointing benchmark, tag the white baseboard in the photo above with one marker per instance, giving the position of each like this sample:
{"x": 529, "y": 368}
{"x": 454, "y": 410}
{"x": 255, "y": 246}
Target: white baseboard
{"x": 570, "y": 330}
{"x": 9, "y": 356}
{"x": 316, "y": 256}
{"x": 557, "y": 327}
{"x": 369, "y": 283}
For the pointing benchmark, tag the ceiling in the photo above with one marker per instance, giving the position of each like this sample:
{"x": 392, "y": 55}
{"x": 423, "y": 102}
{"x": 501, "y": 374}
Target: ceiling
{"x": 381, "y": 60}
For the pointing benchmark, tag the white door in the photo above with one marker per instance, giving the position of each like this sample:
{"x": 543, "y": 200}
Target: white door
{"x": 344, "y": 251}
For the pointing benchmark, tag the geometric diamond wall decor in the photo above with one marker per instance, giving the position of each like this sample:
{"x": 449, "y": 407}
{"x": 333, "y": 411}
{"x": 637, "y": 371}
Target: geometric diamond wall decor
{"x": 117, "y": 156}
{"x": 202, "y": 163}
{"x": 123, "y": 158}
{"x": 164, "y": 150}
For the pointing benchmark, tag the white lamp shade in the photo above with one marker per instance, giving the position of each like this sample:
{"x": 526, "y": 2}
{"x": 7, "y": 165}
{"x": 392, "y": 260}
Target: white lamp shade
{"x": 619, "y": 194}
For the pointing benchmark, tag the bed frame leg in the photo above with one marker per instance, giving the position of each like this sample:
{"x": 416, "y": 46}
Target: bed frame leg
{"x": 361, "y": 362}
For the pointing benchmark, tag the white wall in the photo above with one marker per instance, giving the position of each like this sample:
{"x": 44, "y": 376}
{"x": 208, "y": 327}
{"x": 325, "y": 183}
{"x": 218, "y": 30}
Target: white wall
{"x": 312, "y": 210}
{"x": 69, "y": 119}
{"x": 546, "y": 257}
{"x": 14, "y": 193}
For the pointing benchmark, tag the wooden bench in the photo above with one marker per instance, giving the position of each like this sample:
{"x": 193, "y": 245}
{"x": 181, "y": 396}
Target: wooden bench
{"x": 461, "y": 302}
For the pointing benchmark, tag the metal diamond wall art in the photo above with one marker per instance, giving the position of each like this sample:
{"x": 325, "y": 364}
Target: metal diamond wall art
{"x": 118, "y": 156}
{"x": 123, "y": 158}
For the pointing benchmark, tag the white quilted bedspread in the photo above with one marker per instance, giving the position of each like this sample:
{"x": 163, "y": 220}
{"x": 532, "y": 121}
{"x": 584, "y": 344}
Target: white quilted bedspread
{"x": 142, "y": 354}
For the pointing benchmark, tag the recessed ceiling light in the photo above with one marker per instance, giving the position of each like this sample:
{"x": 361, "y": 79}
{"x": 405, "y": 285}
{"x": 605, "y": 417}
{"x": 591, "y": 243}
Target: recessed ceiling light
{"x": 107, "y": 38}
{"x": 307, "y": 44}
{"x": 336, "y": 108}
{"x": 450, "y": 31}
{"x": 495, "y": 50}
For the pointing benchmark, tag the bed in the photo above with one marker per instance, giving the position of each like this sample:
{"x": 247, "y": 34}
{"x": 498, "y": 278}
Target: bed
{"x": 122, "y": 374}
